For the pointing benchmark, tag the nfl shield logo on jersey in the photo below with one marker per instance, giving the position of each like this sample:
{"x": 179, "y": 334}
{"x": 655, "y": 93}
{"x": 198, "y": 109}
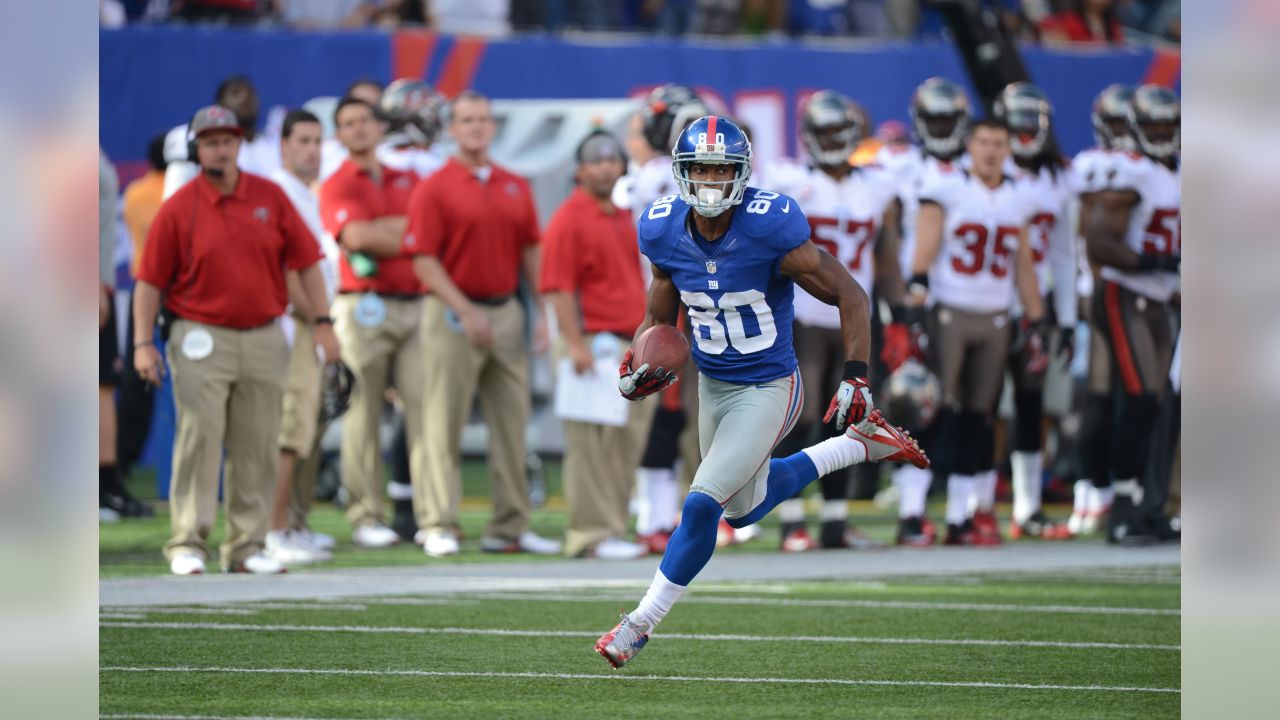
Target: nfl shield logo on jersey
{"x": 711, "y": 267}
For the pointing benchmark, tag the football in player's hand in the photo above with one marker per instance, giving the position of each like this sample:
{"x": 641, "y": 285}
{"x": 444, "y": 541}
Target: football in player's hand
{"x": 661, "y": 346}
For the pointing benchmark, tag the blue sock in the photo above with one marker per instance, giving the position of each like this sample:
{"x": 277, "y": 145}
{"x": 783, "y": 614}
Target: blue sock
{"x": 693, "y": 541}
{"x": 787, "y": 476}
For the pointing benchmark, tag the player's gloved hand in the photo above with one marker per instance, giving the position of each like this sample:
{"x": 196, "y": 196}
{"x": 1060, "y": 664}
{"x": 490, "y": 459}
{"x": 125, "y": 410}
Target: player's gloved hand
{"x": 1066, "y": 343}
{"x": 638, "y": 383}
{"x": 897, "y": 345}
{"x": 852, "y": 401}
{"x": 1035, "y": 343}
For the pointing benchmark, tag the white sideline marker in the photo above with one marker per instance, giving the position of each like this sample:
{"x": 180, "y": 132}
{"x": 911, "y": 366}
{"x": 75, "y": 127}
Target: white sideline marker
{"x": 391, "y": 630}
{"x": 870, "y": 604}
{"x": 619, "y": 677}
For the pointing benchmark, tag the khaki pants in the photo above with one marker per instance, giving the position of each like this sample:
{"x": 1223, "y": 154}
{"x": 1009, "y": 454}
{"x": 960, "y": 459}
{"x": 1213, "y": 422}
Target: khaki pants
{"x": 600, "y": 464}
{"x": 456, "y": 372}
{"x": 390, "y": 352}
{"x": 970, "y": 350}
{"x": 230, "y": 398}
{"x": 300, "y": 423}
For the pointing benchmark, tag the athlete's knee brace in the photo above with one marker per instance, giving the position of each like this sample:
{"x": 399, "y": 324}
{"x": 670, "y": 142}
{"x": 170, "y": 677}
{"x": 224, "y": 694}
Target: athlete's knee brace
{"x": 1029, "y": 408}
{"x": 1131, "y": 440}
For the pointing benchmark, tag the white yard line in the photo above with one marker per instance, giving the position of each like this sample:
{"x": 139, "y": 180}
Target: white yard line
{"x": 871, "y": 604}
{"x": 166, "y": 716}
{"x": 651, "y": 678}
{"x": 389, "y": 630}
{"x": 178, "y": 610}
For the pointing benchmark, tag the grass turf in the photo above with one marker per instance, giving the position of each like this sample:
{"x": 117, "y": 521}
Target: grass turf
{"x": 709, "y": 611}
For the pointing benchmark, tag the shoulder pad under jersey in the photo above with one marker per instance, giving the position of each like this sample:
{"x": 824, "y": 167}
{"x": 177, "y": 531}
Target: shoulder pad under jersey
{"x": 658, "y": 223}
{"x": 773, "y": 217}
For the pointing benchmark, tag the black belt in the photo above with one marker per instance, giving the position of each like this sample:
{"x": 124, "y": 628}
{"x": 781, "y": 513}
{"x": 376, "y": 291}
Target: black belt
{"x": 385, "y": 296}
{"x": 494, "y": 301}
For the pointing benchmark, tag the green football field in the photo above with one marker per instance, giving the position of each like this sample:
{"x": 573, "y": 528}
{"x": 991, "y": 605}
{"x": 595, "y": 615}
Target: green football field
{"x": 1029, "y": 630}
{"x": 1080, "y": 644}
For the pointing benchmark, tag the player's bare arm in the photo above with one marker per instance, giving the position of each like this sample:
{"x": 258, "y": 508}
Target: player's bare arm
{"x": 823, "y": 277}
{"x": 1028, "y": 282}
{"x": 664, "y": 301}
{"x": 382, "y": 237}
{"x": 1105, "y": 221}
{"x": 928, "y": 242}
{"x": 889, "y": 284}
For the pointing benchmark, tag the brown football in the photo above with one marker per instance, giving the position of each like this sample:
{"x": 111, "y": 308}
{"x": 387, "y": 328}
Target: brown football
{"x": 661, "y": 346}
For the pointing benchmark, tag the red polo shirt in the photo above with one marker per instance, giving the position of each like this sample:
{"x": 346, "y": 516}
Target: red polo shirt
{"x": 220, "y": 259}
{"x": 594, "y": 254}
{"x": 351, "y": 194}
{"x": 477, "y": 229}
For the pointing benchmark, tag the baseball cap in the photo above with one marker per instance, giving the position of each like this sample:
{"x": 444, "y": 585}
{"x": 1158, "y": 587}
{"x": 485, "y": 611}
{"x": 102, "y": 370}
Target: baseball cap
{"x": 214, "y": 117}
{"x": 598, "y": 146}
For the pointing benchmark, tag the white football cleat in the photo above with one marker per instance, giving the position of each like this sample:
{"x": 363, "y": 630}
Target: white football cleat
{"x": 886, "y": 441}
{"x": 288, "y": 548}
{"x": 375, "y": 535}
{"x": 528, "y": 542}
{"x": 618, "y": 549}
{"x": 317, "y": 540}
{"x": 186, "y": 563}
{"x": 440, "y": 544}
{"x": 622, "y": 643}
{"x": 259, "y": 563}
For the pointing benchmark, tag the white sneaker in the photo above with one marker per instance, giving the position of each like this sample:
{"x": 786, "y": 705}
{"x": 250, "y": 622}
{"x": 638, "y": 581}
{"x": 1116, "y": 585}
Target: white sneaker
{"x": 746, "y": 534}
{"x": 259, "y": 563}
{"x": 289, "y": 548}
{"x": 528, "y": 542}
{"x": 107, "y": 515}
{"x": 439, "y": 544}
{"x": 317, "y": 540}
{"x": 376, "y": 535}
{"x": 618, "y": 549}
{"x": 186, "y": 563}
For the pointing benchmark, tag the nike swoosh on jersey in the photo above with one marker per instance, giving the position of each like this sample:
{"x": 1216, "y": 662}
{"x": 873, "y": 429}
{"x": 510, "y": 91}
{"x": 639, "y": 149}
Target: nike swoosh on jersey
{"x": 787, "y": 208}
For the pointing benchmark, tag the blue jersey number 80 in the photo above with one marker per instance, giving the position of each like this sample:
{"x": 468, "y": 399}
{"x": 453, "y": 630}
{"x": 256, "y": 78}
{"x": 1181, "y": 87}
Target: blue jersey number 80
{"x": 721, "y": 321}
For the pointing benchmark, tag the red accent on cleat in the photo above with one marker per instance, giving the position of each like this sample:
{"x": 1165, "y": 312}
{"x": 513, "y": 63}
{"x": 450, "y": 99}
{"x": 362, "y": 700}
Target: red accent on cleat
{"x": 887, "y": 442}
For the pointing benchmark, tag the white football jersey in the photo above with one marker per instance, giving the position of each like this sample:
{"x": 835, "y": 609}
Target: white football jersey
{"x": 644, "y": 183}
{"x": 908, "y": 167}
{"x": 416, "y": 160}
{"x": 1155, "y": 223}
{"x": 976, "y": 263}
{"x": 1053, "y": 246}
{"x": 845, "y": 218}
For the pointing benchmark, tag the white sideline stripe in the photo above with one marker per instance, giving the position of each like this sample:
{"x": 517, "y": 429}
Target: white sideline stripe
{"x": 391, "y": 630}
{"x": 179, "y": 610}
{"x": 121, "y": 616}
{"x": 617, "y": 676}
{"x": 166, "y": 716}
{"x": 872, "y": 604}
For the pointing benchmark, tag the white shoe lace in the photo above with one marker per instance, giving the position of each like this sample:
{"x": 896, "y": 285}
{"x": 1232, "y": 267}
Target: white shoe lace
{"x": 628, "y": 634}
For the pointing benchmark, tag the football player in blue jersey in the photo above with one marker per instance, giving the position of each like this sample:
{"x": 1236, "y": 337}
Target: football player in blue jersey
{"x": 735, "y": 269}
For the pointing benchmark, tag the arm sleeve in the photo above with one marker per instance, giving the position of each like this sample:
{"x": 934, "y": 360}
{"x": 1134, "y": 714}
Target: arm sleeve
{"x": 301, "y": 246}
{"x": 559, "y": 251}
{"x": 426, "y": 225}
{"x": 160, "y": 253}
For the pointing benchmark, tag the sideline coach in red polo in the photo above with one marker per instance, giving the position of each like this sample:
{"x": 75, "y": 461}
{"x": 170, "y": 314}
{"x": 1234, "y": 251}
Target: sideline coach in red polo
{"x": 472, "y": 230}
{"x": 216, "y": 256}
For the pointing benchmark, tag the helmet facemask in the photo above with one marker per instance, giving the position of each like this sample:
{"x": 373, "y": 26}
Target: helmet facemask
{"x": 710, "y": 198}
